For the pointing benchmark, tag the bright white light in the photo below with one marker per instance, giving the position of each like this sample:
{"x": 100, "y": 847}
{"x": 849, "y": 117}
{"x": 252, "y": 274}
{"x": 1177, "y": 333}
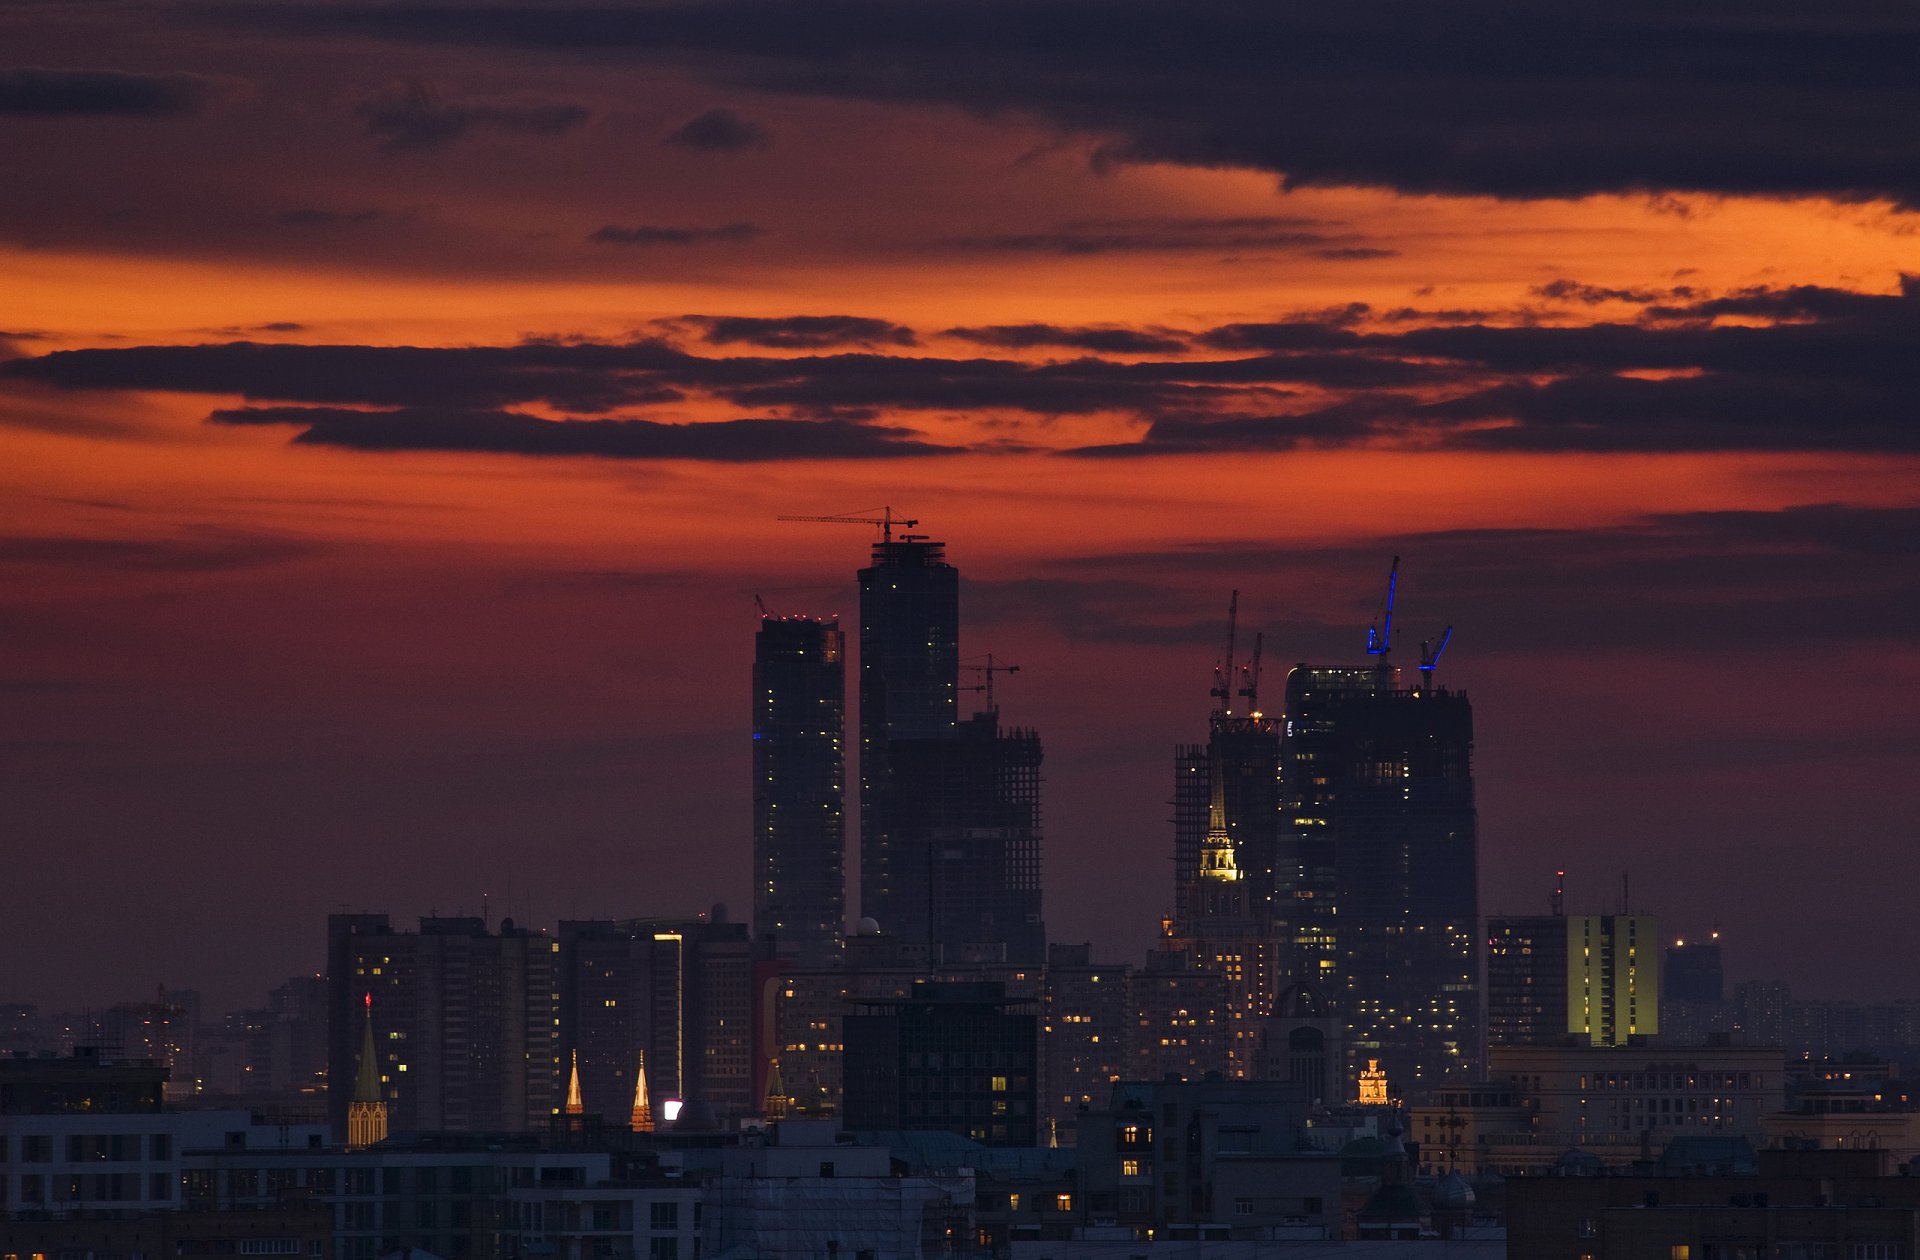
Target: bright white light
{"x": 670, "y": 1109}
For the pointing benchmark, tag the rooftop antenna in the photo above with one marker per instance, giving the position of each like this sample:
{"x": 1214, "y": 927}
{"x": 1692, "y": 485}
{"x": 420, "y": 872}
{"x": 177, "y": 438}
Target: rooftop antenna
{"x": 1430, "y": 659}
{"x": 864, "y": 516}
{"x": 987, "y": 671}
{"x": 761, "y": 604}
{"x": 1559, "y": 898}
{"x": 1380, "y": 634}
{"x": 1252, "y": 674}
{"x": 1223, "y": 676}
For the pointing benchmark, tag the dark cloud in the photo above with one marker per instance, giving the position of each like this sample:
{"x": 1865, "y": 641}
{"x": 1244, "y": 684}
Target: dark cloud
{"x": 643, "y": 236}
{"x": 1503, "y": 97}
{"x": 416, "y": 116}
{"x": 38, "y": 92}
{"x": 516, "y": 433}
{"x": 800, "y": 332}
{"x": 1723, "y": 581}
{"x": 1355, "y": 253}
{"x": 1103, "y": 236}
{"x": 719, "y": 131}
{"x": 1564, "y": 290}
{"x": 1837, "y": 373}
{"x": 210, "y": 551}
{"x": 1103, "y": 340}
{"x": 308, "y": 217}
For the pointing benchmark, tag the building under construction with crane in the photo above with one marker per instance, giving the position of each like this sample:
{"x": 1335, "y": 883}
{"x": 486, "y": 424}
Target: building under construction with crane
{"x": 1353, "y": 826}
{"x": 949, "y": 806}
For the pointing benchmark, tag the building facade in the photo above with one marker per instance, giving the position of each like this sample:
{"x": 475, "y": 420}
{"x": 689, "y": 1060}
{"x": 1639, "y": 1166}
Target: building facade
{"x": 799, "y": 782}
{"x": 1379, "y": 866}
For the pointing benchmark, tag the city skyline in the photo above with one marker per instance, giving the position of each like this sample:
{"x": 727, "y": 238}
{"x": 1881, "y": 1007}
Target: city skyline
{"x": 397, "y": 404}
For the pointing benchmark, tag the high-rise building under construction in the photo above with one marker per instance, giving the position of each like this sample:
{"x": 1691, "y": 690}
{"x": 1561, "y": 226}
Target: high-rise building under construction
{"x": 1379, "y": 868}
{"x": 949, "y": 809}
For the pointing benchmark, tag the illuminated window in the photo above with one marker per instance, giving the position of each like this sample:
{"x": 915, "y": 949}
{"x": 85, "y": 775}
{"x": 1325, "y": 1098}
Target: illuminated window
{"x": 1063, "y": 1201}
{"x": 1129, "y": 1168}
{"x": 999, "y": 1084}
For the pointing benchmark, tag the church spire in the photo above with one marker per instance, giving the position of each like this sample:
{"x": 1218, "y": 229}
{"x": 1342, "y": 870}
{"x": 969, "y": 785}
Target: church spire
{"x": 642, "y": 1121}
{"x": 575, "y": 1107}
{"x": 367, "y": 1111}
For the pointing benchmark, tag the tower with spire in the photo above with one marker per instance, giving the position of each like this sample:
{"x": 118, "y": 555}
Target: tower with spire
{"x": 1225, "y": 933}
{"x": 576, "y": 1105}
{"x": 642, "y": 1121}
{"x": 367, "y": 1113}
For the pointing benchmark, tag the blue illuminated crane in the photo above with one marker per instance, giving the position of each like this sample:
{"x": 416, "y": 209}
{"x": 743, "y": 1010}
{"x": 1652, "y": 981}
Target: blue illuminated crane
{"x": 1380, "y": 634}
{"x": 1430, "y": 660}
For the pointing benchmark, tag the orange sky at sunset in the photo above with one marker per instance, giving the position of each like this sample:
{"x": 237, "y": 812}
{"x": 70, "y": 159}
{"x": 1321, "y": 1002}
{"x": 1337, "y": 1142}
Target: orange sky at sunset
{"x": 391, "y": 629}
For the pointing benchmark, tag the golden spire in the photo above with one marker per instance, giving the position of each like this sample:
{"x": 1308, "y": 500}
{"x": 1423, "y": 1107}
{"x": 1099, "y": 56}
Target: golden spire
{"x": 575, "y": 1106}
{"x": 642, "y": 1121}
{"x": 1216, "y": 855}
{"x": 775, "y": 1106}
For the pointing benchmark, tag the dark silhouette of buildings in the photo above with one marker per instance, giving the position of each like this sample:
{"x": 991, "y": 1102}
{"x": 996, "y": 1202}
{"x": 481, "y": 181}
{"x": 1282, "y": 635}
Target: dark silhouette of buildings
{"x": 964, "y": 825}
{"x": 1694, "y": 972}
{"x": 465, "y": 1020}
{"x": 949, "y": 810}
{"x": 1379, "y": 866}
{"x": 956, "y": 1057}
{"x": 799, "y": 828}
{"x": 686, "y": 993}
{"x": 909, "y": 690}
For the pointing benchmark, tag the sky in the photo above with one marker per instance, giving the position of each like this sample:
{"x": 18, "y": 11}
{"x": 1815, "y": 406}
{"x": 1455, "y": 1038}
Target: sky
{"x": 397, "y": 401}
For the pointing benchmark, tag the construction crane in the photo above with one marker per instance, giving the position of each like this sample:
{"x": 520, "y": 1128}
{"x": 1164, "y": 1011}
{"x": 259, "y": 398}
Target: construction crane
{"x": 1223, "y": 674}
{"x": 987, "y": 670}
{"x": 1430, "y": 659}
{"x": 865, "y": 516}
{"x": 1380, "y": 634}
{"x": 1251, "y": 672}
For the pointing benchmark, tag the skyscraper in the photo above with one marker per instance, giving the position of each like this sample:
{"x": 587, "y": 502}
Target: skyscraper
{"x": 1589, "y": 977}
{"x": 799, "y": 836}
{"x": 949, "y": 810}
{"x": 1379, "y": 865}
{"x": 964, "y": 822}
{"x": 909, "y": 690}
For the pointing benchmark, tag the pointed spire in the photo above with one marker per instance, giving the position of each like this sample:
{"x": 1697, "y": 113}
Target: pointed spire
{"x": 366, "y": 1086}
{"x": 642, "y": 1121}
{"x": 1216, "y": 855}
{"x": 775, "y": 1105}
{"x": 575, "y": 1106}
{"x": 367, "y": 1110}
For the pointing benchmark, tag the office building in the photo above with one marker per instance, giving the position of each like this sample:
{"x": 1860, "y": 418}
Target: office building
{"x": 1379, "y": 866}
{"x": 964, "y": 829}
{"x": 799, "y": 826}
{"x": 1590, "y": 977}
{"x": 949, "y": 809}
{"x": 464, "y": 1018}
{"x": 959, "y": 1057}
{"x": 909, "y": 690}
